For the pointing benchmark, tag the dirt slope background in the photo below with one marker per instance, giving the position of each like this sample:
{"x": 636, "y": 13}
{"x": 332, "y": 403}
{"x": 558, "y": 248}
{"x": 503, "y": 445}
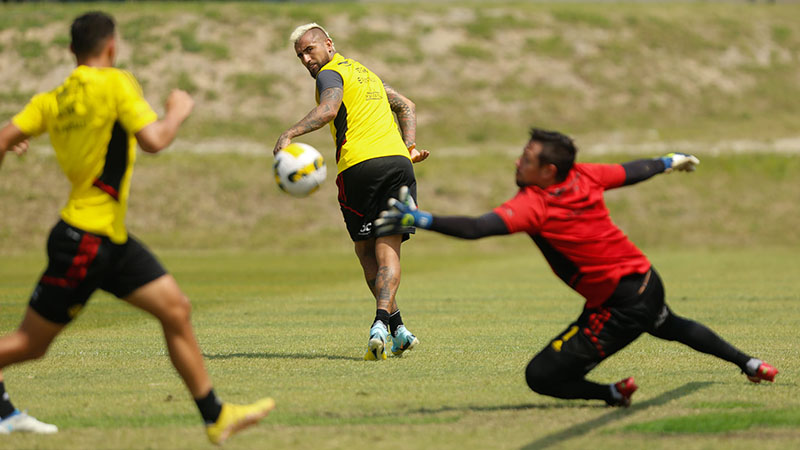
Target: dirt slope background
{"x": 718, "y": 79}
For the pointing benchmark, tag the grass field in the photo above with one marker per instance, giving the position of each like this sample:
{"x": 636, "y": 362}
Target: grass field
{"x": 295, "y": 328}
{"x": 280, "y": 306}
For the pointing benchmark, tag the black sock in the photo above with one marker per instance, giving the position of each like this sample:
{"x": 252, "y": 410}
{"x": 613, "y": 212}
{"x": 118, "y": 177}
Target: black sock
{"x": 394, "y": 322}
{"x": 383, "y": 316}
{"x": 209, "y": 407}
{"x": 700, "y": 338}
{"x": 6, "y": 408}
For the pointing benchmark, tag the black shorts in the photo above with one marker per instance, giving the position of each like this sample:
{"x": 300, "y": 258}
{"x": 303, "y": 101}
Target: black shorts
{"x": 365, "y": 188}
{"x": 637, "y": 306}
{"x": 80, "y": 262}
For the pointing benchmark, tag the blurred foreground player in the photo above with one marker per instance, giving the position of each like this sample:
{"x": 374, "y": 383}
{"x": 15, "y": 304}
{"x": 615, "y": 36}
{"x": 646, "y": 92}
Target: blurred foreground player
{"x": 95, "y": 119}
{"x": 560, "y": 205}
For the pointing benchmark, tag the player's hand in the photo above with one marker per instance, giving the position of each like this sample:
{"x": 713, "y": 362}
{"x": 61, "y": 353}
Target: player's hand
{"x": 179, "y": 104}
{"x": 283, "y": 141}
{"x": 418, "y": 155}
{"x": 20, "y": 148}
{"x": 679, "y": 161}
{"x": 402, "y": 213}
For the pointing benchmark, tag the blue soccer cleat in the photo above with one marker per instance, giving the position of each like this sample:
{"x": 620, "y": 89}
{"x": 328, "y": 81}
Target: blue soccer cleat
{"x": 403, "y": 340}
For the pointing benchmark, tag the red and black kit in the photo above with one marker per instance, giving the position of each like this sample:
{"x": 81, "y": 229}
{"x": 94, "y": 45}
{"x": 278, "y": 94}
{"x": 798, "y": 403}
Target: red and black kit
{"x": 80, "y": 263}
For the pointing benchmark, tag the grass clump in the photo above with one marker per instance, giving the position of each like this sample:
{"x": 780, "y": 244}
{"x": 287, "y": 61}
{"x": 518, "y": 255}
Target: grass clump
{"x": 185, "y": 82}
{"x": 365, "y": 40}
{"x": 258, "y": 84}
{"x": 577, "y": 16}
{"x": 30, "y": 49}
{"x": 189, "y": 43}
{"x": 472, "y": 51}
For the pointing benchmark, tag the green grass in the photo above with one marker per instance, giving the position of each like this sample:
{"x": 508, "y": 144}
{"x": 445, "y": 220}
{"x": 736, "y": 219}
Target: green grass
{"x": 365, "y": 40}
{"x": 293, "y": 326}
{"x": 260, "y": 84}
{"x": 717, "y": 422}
{"x": 471, "y": 51}
{"x": 185, "y": 82}
{"x": 191, "y": 44}
{"x": 29, "y": 49}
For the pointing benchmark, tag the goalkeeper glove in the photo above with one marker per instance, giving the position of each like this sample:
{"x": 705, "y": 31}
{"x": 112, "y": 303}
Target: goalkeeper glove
{"x": 402, "y": 213}
{"x": 679, "y": 161}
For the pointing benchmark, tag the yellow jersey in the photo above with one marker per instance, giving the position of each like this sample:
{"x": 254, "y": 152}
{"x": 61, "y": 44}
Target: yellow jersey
{"x": 364, "y": 127}
{"x": 91, "y": 119}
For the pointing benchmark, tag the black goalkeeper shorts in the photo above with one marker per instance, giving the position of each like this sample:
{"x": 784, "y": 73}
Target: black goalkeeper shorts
{"x": 637, "y": 306}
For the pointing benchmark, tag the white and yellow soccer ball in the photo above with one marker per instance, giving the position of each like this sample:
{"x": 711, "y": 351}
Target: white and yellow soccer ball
{"x": 299, "y": 169}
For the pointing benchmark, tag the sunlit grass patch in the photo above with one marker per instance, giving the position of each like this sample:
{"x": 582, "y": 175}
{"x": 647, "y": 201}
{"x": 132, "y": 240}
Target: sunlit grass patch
{"x": 720, "y": 422}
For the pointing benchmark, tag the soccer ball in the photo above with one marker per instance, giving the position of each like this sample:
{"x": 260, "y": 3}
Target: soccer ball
{"x": 299, "y": 169}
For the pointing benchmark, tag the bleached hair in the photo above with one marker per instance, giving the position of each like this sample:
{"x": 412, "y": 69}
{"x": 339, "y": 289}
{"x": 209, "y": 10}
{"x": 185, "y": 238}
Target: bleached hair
{"x": 302, "y": 29}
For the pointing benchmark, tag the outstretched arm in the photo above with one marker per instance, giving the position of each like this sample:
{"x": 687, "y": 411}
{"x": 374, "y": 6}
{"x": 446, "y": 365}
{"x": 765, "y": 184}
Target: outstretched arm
{"x": 642, "y": 169}
{"x": 329, "y": 102}
{"x": 406, "y": 113}
{"x": 158, "y": 135}
{"x": 404, "y": 213}
{"x": 489, "y": 224}
{"x": 11, "y": 138}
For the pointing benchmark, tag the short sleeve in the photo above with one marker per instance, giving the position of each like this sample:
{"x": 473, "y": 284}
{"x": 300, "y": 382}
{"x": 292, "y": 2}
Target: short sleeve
{"x": 525, "y": 212}
{"x": 327, "y": 79}
{"x": 31, "y": 119}
{"x": 608, "y": 176}
{"x": 133, "y": 110}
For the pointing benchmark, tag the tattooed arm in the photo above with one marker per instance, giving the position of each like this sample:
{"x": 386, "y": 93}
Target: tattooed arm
{"x": 329, "y": 101}
{"x": 407, "y": 120}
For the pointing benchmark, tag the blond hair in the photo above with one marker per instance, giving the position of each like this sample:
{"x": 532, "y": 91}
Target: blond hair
{"x": 303, "y": 29}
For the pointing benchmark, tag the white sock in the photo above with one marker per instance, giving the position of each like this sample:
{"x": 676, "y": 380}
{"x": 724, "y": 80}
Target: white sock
{"x": 614, "y": 392}
{"x": 752, "y": 366}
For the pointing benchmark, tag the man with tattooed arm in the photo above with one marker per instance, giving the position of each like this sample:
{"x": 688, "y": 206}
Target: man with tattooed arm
{"x": 373, "y": 161}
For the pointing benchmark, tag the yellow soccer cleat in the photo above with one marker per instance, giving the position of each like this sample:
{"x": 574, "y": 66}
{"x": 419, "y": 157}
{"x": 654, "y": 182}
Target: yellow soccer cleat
{"x": 235, "y": 418}
{"x": 376, "y": 347}
{"x": 375, "y": 354}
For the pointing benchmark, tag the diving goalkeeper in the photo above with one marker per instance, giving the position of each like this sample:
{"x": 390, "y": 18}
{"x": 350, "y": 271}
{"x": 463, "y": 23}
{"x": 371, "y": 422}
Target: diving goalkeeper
{"x": 560, "y": 205}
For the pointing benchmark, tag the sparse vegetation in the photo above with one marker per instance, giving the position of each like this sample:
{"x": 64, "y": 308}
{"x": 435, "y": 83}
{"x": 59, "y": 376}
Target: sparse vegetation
{"x": 184, "y": 81}
{"x": 189, "y": 43}
{"x": 29, "y": 49}
{"x": 689, "y": 71}
{"x": 260, "y": 84}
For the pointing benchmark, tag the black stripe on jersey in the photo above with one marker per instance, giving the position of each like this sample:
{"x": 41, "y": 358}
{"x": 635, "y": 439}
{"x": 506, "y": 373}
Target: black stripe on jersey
{"x": 110, "y": 180}
{"x": 561, "y": 265}
{"x": 340, "y": 123}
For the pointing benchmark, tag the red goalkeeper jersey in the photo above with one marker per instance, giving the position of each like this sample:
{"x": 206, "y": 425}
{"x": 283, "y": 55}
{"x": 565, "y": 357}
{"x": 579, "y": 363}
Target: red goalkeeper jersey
{"x": 570, "y": 224}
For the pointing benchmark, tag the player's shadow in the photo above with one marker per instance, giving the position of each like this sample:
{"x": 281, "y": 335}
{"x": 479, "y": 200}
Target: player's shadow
{"x": 582, "y": 428}
{"x": 281, "y": 356}
{"x": 522, "y": 407}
